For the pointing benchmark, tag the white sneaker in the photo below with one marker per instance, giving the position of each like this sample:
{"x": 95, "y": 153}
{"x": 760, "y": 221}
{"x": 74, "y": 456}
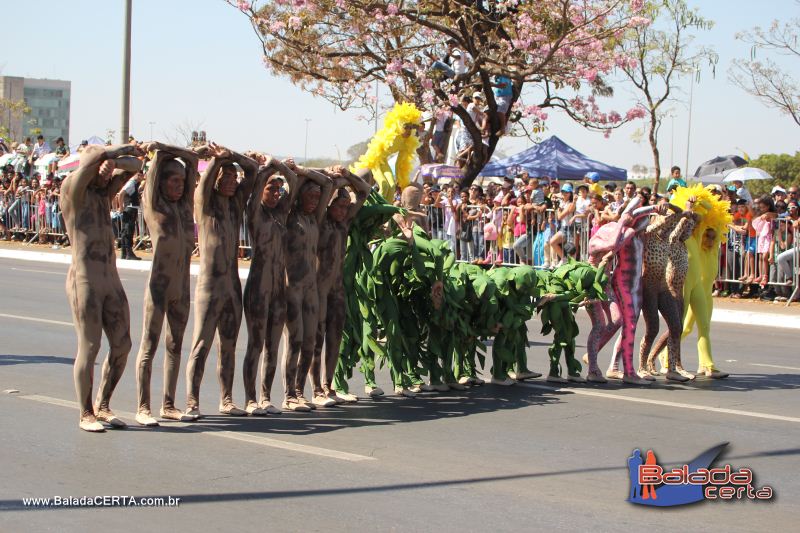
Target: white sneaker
{"x": 347, "y": 397}
{"x": 373, "y": 391}
{"x": 323, "y": 401}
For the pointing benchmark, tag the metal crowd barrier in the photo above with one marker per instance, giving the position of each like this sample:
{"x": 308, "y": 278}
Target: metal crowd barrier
{"x": 480, "y": 234}
{"x": 31, "y": 218}
{"x": 772, "y": 260}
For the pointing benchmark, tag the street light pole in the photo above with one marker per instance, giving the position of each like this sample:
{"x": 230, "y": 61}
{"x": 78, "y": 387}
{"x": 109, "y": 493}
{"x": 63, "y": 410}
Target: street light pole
{"x": 151, "y": 130}
{"x": 305, "y": 151}
{"x": 126, "y": 75}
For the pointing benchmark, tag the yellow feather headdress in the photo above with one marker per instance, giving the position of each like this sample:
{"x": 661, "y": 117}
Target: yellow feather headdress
{"x": 390, "y": 140}
{"x": 714, "y": 213}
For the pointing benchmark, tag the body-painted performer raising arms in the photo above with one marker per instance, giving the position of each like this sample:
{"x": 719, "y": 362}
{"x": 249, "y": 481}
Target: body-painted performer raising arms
{"x": 703, "y": 248}
{"x": 218, "y": 204}
{"x": 302, "y": 297}
{"x": 265, "y": 289}
{"x": 330, "y": 284}
{"x": 94, "y": 290}
{"x": 624, "y": 291}
{"x": 666, "y": 263}
{"x": 168, "y": 212}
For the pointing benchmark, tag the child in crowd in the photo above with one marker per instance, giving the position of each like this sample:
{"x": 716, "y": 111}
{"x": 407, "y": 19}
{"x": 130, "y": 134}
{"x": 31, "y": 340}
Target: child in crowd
{"x": 743, "y": 226}
{"x": 765, "y": 244}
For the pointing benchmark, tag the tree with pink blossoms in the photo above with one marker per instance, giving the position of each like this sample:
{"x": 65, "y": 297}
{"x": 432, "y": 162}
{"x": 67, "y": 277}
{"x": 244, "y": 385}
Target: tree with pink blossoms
{"x": 556, "y": 53}
{"x": 662, "y": 54}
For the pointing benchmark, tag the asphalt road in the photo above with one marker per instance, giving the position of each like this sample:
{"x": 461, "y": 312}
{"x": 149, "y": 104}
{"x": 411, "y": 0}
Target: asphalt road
{"x": 529, "y": 457}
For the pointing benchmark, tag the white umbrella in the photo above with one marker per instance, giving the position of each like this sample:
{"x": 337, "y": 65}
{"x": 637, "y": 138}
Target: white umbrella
{"x": 745, "y": 174}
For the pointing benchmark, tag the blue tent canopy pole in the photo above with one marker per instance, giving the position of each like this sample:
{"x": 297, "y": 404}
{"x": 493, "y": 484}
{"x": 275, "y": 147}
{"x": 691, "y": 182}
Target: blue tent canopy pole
{"x": 555, "y": 158}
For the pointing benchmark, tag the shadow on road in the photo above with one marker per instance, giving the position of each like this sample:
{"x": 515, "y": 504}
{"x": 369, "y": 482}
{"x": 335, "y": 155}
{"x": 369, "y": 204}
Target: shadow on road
{"x": 187, "y": 499}
{"x": 6, "y": 360}
{"x": 385, "y": 411}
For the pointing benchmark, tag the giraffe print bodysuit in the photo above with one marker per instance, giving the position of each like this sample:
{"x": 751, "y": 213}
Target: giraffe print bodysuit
{"x": 666, "y": 262}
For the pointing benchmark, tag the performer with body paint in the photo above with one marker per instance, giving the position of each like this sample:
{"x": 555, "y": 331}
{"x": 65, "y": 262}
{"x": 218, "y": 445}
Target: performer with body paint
{"x": 703, "y": 247}
{"x": 624, "y": 291}
{"x": 169, "y": 214}
{"x": 94, "y": 289}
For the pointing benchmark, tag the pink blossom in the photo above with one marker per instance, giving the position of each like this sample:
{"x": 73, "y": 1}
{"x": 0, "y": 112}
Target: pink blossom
{"x": 454, "y": 100}
{"x": 392, "y": 9}
{"x": 276, "y": 26}
{"x": 295, "y": 22}
{"x": 636, "y": 112}
{"x": 637, "y": 5}
{"x": 395, "y": 65}
{"x": 243, "y": 6}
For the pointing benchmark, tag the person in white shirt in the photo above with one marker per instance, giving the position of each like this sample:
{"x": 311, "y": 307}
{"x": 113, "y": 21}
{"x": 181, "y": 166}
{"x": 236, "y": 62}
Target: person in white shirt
{"x": 40, "y": 149}
{"x": 743, "y": 192}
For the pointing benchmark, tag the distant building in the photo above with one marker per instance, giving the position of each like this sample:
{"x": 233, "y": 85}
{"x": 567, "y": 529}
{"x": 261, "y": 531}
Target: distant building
{"x": 49, "y": 101}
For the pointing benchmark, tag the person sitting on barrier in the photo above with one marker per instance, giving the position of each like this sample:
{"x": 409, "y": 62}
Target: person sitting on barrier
{"x": 218, "y": 205}
{"x": 94, "y": 290}
{"x": 566, "y": 230}
{"x": 167, "y": 206}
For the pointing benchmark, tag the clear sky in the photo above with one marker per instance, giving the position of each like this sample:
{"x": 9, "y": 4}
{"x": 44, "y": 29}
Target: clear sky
{"x": 197, "y": 62}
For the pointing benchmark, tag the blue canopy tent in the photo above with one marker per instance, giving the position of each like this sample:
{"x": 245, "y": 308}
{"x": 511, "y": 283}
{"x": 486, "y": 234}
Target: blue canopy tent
{"x": 555, "y": 158}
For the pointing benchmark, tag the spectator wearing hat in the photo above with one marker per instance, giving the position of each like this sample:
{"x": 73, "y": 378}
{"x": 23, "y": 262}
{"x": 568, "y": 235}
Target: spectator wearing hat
{"x": 82, "y": 146}
{"x": 778, "y": 194}
{"x": 506, "y": 194}
{"x": 592, "y": 181}
{"x": 503, "y": 93}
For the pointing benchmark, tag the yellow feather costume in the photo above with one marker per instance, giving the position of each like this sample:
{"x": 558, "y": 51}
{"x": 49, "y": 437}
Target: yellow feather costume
{"x": 392, "y": 139}
{"x": 698, "y": 303}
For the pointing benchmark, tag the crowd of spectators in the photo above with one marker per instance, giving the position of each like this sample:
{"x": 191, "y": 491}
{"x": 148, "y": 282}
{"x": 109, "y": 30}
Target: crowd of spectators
{"x": 537, "y": 221}
{"x": 30, "y": 193}
{"x": 540, "y": 221}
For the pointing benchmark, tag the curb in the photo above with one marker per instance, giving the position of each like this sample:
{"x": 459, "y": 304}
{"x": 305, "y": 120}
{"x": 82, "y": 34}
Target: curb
{"x": 722, "y": 316}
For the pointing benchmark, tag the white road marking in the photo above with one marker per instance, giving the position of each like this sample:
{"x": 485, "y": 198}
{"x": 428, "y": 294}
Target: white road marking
{"x": 38, "y": 271}
{"x": 205, "y": 429}
{"x": 776, "y": 366}
{"x": 611, "y": 396}
{"x": 48, "y": 272}
{"x": 34, "y": 319}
